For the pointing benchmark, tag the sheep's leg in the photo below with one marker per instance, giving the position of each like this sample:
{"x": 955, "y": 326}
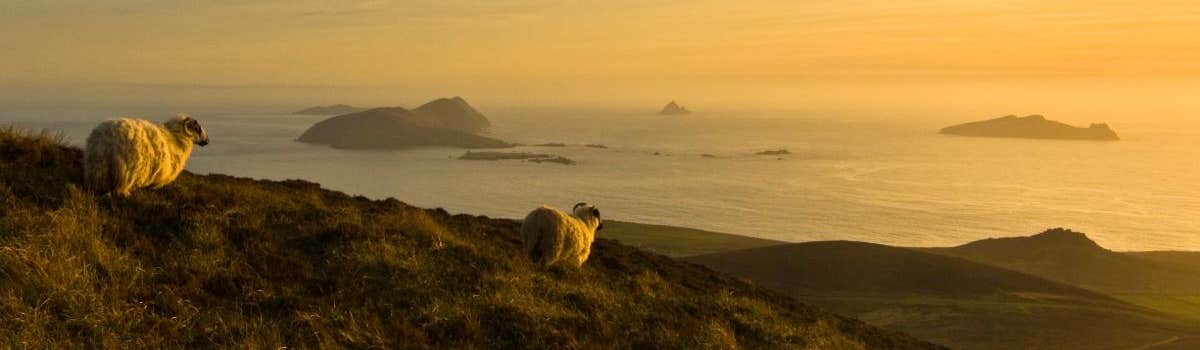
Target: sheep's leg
{"x": 552, "y": 248}
{"x": 92, "y": 176}
{"x": 583, "y": 256}
{"x": 120, "y": 180}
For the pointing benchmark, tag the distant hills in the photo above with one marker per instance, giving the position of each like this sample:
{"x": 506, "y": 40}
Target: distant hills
{"x": 1166, "y": 281}
{"x": 449, "y": 122}
{"x": 979, "y": 300}
{"x": 673, "y": 109}
{"x": 1071, "y": 257}
{"x": 867, "y": 268}
{"x": 330, "y": 110}
{"x": 1032, "y": 126}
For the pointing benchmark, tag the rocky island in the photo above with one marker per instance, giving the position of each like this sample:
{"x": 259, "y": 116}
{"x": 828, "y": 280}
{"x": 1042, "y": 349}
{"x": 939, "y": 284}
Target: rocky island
{"x": 673, "y": 109}
{"x": 449, "y": 122}
{"x": 337, "y": 109}
{"x": 1032, "y": 127}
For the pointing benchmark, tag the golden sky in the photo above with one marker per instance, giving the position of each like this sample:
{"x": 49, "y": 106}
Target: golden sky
{"x": 508, "y": 51}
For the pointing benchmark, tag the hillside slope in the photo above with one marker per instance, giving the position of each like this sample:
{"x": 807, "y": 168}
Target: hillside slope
{"x": 1179, "y": 259}
{"x": 218, "y": 262}
{"x": 948, "y": 300}
{"x": 1165, "y": 281}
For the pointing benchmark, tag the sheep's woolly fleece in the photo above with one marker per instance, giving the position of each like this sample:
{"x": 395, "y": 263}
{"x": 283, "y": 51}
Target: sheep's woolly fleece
{"x": 127, "y": 154}
{"x": 553, "y": 237}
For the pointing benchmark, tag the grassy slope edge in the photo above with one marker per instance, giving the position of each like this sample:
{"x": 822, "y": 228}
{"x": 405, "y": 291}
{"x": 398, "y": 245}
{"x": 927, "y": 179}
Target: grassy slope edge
{"x": 218, "y": 261}
{"x": 677, "y": 242}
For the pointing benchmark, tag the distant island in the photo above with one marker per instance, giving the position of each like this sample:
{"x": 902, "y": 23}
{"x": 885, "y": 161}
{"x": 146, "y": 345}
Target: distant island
{"x": 449, "y": 122}
{"x": 526, "y": 156}
{"x": 778, "y": 152}
{"x": 337, "y": 109}
{"x": 673, "y": 109}
{"x": 1031, "y": 127}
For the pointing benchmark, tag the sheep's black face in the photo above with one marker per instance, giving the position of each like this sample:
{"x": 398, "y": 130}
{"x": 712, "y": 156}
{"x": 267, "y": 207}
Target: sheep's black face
{"x": 584, "y": 210}
{"x": 197, "y": 132}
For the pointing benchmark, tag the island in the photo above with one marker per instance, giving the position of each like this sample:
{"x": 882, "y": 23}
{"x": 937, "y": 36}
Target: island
{"x": 1032, "y": 127}
{"x": 673, "y": 109}
{"x": 447, "y": 122}
{"x": 778, "y": 152}
{"x": 526, "y": 156}
{"x": 337, "y": 109}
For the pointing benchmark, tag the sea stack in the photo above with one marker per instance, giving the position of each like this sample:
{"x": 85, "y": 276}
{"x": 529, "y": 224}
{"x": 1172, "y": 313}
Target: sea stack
{"x": 673, "y": 109}
{"x": 1032, "y": 127}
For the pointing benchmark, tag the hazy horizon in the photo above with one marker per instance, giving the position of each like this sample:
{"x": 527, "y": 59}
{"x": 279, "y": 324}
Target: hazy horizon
{"x": 1075, "y": 61}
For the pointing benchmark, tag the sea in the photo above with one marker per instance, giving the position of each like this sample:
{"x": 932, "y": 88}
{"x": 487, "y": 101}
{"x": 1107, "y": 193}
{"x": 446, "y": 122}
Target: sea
{"x": 885, "y": 180}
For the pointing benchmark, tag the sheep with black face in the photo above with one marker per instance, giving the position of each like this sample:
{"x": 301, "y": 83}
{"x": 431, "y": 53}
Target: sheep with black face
{"x": 126, "y": 154}
{"x": 552, "y": 237}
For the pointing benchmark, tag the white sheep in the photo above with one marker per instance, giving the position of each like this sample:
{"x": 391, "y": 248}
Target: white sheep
{"x": 126, "y": 154}
{"x": 552, "y": 236}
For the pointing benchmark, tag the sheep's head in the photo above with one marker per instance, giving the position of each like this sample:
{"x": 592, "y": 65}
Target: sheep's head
{"x": 185, "y": 125}
{"x": 588, "y": 214}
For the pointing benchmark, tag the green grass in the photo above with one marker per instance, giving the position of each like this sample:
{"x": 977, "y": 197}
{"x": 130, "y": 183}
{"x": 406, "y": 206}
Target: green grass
{"x": 223, "y": 262}
{"x": 1002, "y": 322}
{"x": 1183, "y": 306}
{"x": 679, "y": 241}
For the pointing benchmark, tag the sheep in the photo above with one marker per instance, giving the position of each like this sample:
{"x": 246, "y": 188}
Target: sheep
{"x": 126, "y": 154}
{"x": 552, "y": 236}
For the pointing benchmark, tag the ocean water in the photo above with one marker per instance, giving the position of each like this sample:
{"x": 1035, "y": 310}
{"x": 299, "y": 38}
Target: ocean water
{"x": 875, "y": 180}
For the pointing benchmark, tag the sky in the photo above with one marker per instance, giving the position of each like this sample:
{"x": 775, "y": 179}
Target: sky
{"x": 1097, "y": 57}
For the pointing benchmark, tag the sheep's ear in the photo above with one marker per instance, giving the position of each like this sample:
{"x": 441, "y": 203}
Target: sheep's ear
{"x": 576, "y": 207}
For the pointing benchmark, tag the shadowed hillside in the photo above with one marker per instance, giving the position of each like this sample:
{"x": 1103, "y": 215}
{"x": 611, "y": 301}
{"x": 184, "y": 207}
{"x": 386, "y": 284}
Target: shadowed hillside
{"x": 1166, "y": 281}
{"x": 1068, "y": 256}
{"x": 222, "y": 262}
{"x": 1184, "y": 260}
{"x": 949, "y": 300}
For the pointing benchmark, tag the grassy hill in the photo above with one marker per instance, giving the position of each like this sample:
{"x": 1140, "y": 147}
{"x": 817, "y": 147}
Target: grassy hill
{"x": 679, "y": 241}
{"x": 223, "y": 262}
{"x": 1167, "y": 281}
{"x": 949, "y": 300}
{"x": 1179, "y": 259}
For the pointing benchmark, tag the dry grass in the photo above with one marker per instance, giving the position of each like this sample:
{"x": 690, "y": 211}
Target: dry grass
{"x": 223, "y": 262}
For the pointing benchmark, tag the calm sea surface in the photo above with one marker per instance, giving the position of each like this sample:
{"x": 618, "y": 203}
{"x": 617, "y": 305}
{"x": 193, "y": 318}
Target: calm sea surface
{"x": 891, "y": 182}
